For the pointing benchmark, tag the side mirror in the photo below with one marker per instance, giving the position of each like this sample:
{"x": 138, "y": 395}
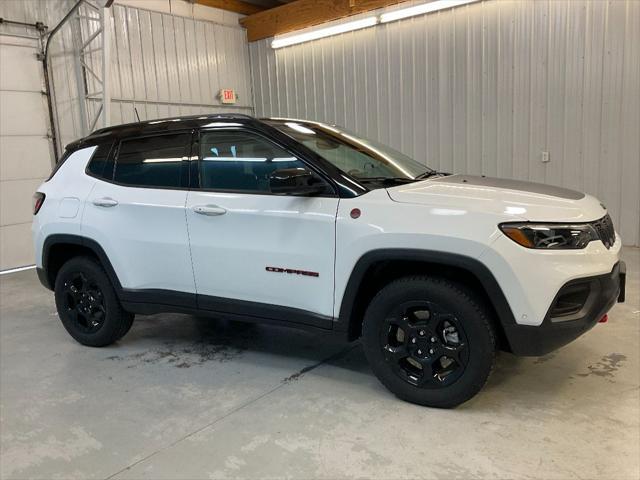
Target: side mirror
{"x": 295, "y": 181}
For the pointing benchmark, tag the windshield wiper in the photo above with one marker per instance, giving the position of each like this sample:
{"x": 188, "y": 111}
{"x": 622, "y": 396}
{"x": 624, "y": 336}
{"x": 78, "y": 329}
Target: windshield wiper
{"x": 429, "y": 174}
{"x": 385, "y": 180}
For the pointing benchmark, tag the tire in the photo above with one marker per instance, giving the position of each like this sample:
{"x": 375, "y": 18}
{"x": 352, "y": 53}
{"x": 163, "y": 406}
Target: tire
{"x": 87, "y": 304}
{"x": 407, "y": 334}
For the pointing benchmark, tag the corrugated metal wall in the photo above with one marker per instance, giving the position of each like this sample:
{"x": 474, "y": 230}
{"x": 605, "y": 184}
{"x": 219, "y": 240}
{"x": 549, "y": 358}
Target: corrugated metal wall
{"x": 169, "y": 65}
{"x": 162, "y": 65}
{"x": 484, "y": 89}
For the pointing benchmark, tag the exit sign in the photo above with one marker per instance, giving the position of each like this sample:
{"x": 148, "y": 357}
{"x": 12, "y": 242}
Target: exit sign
{"x": 227, "y": 95}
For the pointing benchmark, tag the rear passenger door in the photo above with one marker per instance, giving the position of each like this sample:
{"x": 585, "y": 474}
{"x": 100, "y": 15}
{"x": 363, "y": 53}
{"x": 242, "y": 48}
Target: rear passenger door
{"x": 254, "y": 252}
{"x": 136, "y": 212}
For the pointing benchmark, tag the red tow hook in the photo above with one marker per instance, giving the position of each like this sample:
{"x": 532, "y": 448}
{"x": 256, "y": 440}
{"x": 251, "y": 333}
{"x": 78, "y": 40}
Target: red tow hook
{"x": 604, "y": 318}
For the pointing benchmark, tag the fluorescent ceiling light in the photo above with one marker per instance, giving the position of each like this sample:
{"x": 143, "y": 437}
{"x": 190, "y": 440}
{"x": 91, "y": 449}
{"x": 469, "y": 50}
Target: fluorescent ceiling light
{"x": 421, "y": 9}
{"x": 324, "y": 32}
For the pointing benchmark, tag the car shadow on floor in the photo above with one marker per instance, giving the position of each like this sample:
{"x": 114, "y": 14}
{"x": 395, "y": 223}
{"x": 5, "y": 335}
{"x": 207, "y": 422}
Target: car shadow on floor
{"x": 184, "y": 341}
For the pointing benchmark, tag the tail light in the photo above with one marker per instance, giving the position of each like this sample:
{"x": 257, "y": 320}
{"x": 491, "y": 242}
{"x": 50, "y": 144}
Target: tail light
{"x": 38, "y": 200}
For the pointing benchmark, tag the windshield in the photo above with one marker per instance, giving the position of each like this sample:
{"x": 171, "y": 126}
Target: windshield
{"x": 365, "y": 160}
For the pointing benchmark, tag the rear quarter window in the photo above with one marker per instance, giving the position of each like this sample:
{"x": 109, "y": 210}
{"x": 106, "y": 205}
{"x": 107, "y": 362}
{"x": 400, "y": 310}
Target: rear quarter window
{"x": 101, "y": 163}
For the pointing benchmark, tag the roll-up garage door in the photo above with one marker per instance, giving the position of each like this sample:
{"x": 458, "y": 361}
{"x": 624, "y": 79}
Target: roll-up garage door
{"x": 25, "y": 158}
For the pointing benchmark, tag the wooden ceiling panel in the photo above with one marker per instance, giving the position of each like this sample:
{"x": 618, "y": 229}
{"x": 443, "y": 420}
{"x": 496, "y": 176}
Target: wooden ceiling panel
{"x": 237, "y": 6}
{"x": 304, "y": 13}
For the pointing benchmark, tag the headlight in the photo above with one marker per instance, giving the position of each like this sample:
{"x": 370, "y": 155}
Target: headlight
{"x": 550, "y": 235}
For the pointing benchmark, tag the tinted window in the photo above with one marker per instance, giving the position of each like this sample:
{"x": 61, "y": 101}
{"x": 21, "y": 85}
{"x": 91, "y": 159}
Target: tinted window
{"x": 234, "y": 160}
{"x": 152, "y": 161}
{"x": 357, "y": 156}
{"x": 101, "y": 165}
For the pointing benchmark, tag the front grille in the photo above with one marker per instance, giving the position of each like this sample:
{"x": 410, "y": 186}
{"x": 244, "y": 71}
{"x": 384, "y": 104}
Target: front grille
{"x": 605, "y": 230}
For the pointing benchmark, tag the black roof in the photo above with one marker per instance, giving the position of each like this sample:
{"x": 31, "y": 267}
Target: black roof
{"x": 160, "y": 125}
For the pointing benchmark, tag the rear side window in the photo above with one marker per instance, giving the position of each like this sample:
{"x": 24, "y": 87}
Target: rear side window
{"x": 157, "y": 161}
{"x": 101, "y": 164}
{"x": 240, "y": 161}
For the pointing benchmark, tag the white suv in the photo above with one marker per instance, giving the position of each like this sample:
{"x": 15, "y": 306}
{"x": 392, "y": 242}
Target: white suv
{"x": 305, "y": 224}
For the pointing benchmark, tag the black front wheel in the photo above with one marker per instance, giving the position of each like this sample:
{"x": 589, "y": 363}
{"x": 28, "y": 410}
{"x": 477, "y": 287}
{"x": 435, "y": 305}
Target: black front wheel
{"x": 87, "y": 304}
{"x": 429, "y": 341}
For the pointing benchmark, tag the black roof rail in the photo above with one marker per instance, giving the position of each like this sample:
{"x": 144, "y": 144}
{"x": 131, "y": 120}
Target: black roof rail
{"x": 159, "y": 125}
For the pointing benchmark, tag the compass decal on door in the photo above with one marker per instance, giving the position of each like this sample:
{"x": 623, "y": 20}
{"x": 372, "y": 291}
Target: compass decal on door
{"x": 292, "y": 271}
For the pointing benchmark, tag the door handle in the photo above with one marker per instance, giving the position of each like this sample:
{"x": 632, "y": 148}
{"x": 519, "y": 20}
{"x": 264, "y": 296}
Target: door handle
{"x": 209, "y": 210}
{"x": 105, "y": 202}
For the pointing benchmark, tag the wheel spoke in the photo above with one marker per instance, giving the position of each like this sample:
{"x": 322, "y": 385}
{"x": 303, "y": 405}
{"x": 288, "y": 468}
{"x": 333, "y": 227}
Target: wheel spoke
{"x": 73, "y": 292}
{"x": 395, "y": 354}
{"x": 428, "y": 373}
{"x": 453, "y": 352}
{"x": 82, "y": 319}
{"x": 436, "y": 313}
{"x": 401, "y": 321}
{"x": 84, "y": 284}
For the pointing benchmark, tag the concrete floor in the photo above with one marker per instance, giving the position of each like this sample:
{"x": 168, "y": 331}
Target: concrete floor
{"x": 182, "y": 397}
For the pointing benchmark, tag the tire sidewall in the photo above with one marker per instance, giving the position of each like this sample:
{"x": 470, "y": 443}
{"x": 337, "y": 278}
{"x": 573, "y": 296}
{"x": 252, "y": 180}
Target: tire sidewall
{"x": 472, "y": 318}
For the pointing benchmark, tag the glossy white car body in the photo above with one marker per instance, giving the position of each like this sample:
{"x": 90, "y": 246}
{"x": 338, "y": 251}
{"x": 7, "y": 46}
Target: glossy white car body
{"x": 156, "y": 240}
{"x": 148, "y": 244}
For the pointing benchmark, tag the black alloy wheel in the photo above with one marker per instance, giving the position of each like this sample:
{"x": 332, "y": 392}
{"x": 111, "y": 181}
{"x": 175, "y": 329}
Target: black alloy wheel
{"x": 429, "y": 340}
{"x": 84, "y": 303}
{"x": 88, "y": 305}
{"x": 424, "y": 344}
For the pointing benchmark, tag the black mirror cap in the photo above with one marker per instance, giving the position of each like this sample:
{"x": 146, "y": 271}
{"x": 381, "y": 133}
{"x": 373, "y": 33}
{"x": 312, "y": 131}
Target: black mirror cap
{"x": 295, "y": 181}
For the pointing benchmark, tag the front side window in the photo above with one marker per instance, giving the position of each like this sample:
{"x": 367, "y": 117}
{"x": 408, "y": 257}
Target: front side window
{"x": 157, "y": 161}
{"x": 241, "y": 161}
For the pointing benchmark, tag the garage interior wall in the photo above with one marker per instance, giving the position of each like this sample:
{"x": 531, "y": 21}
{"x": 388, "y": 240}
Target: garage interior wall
{"x": 25, "y": 155}
{"x": 167, "y": 62}
{"x": 162, "y": 65}
{"x": 484, "y": 89}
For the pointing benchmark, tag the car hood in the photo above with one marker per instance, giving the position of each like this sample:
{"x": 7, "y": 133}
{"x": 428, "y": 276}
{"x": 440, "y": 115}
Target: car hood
{"x": 508, "y": 198}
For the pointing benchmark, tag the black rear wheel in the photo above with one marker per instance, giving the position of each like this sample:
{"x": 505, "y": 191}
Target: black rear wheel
{"x": 87, "y": 304}
{"x": 429, "y": 341}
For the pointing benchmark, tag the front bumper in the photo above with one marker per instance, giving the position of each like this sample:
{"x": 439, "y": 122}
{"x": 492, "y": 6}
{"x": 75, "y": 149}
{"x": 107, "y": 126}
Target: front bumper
{"x": 603, "y": 291}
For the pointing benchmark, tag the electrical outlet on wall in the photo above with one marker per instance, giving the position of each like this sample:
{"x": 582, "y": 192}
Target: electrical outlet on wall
{"x": 544, "y": 157}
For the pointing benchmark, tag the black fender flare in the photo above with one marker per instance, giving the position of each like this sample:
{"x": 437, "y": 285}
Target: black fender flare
{"x": 475, "y": 267}
{"x": 92, "y": 245}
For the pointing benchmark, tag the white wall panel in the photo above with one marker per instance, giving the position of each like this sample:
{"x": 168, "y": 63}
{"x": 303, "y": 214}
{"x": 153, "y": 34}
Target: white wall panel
{"x": 484, "y": 89}
{"x": 24, "y": 147}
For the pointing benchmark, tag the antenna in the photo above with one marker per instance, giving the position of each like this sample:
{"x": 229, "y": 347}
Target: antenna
{"x": 138, "y": 116}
